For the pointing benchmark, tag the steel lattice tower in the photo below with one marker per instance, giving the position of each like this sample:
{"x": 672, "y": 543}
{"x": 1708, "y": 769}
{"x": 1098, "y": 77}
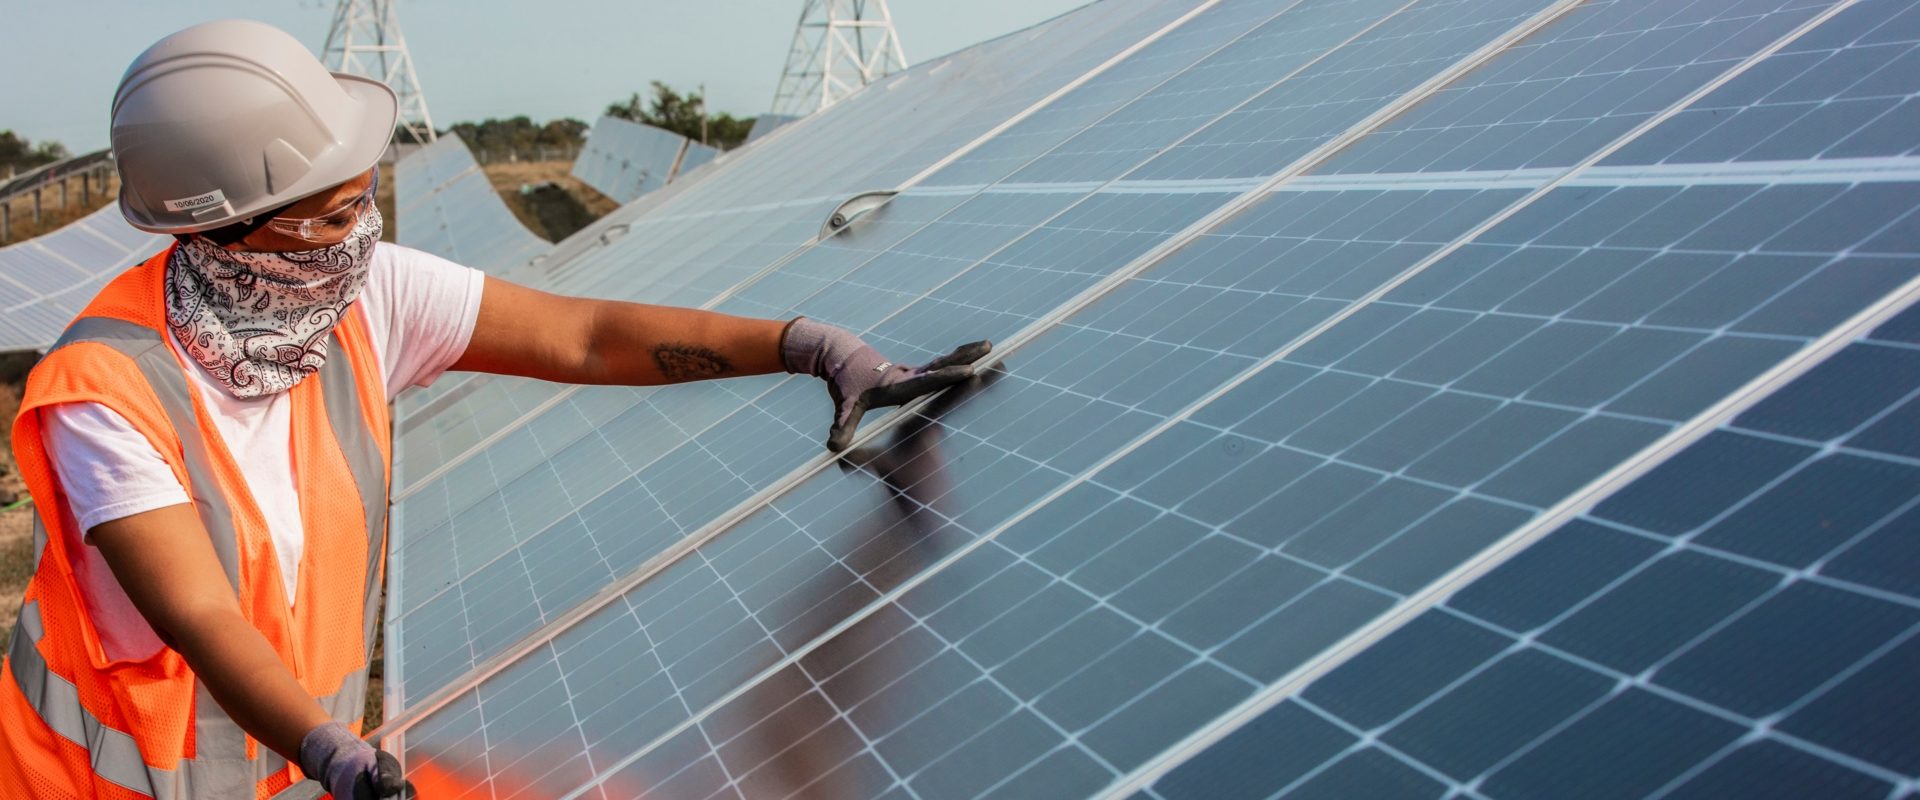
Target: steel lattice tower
{"x": 365, "y": 40}
{"x": 839, "y": 46}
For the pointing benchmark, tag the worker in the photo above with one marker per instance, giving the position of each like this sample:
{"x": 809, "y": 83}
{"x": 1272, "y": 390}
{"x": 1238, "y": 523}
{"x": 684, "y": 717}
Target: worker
{"x": 208, "y": 447}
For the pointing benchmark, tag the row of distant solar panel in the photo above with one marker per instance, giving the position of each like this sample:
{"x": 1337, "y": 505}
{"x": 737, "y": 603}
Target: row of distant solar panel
{"x": 1191, "y": 482}
{"x": 625, "y": 160}
{"x": 446, "y": 205}
{"x": 45, "y": 281}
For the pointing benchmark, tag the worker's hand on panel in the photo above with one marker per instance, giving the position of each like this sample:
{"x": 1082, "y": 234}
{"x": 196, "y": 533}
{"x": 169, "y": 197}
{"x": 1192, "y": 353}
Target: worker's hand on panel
{"x": 859, "y": 378}
{"x": 349, "y": 768}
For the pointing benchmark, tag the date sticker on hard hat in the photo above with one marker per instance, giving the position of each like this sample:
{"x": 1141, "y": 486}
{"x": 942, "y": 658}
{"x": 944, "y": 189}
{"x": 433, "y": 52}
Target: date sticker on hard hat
{"x": 212, "y": 198}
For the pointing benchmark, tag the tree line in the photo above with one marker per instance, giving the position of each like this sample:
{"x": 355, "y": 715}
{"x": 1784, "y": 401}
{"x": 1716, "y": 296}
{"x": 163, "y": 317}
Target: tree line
{"x": 683, "y": 113}
{"x": 664, "y": 107}
{"x": 19, "y": 155}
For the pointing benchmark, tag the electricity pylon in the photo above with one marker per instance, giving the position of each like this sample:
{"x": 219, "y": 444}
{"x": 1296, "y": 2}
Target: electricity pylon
{"x": 365, "y": 40}
{"x": 839, "y": 46}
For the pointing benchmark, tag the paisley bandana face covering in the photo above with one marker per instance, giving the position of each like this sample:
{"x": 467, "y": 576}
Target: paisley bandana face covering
{"x": 259, "y": 321}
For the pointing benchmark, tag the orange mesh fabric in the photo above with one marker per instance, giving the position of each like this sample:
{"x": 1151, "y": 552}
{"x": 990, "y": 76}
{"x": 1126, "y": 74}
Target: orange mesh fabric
{"x": 124, "y": 695}
{"x": 152, "y": 699}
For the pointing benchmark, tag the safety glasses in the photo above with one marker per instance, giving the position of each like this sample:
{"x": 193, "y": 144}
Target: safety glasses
{"x": 331, "y": 226}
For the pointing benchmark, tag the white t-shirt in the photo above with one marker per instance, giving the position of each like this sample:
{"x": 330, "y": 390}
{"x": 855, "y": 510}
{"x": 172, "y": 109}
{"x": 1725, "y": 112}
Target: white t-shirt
{"x": 419, "y": 310}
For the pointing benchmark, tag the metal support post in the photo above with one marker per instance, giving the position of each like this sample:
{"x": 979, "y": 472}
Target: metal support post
{"x": 365, "y": 40}
{"x": 838, "y": 47}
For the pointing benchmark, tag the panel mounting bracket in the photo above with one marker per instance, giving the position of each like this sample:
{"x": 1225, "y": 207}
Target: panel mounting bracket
{"x": 854, "y": 208}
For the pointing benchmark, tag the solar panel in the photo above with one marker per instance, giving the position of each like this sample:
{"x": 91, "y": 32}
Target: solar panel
{"x": 1310, "y": 314}
{"x": 1615, "y": 656}
{"x": 45, "y": 281}
{"x": 766, "y": 123}
{"x": 445, "y": 205}
{"x": 692, "y": 242}
{"x": 625, "y": 160}
{"x": 1103, "y": 208}
{"x": 696, "y": 156}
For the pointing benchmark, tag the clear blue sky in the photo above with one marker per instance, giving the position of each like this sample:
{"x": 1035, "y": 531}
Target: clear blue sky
{"x": 60, "y": 59}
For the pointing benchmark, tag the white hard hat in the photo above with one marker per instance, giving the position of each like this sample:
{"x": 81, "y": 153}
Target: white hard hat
{"x": 228, "y": 119}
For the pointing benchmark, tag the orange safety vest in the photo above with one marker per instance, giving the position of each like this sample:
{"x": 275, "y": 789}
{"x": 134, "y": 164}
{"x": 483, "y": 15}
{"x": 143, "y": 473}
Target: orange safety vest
{"x": 75, "y": 725}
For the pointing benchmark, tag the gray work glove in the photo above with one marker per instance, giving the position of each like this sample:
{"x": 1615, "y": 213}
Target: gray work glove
{"x": 349, "y": 768}
{"x": 858, "y": 378}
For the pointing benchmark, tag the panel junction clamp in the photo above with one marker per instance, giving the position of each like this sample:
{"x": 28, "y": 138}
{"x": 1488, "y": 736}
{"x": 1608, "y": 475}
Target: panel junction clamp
{"x": 855, "y": 207}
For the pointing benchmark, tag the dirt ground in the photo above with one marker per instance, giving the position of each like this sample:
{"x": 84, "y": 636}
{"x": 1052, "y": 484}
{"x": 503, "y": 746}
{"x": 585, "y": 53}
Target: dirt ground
{"x": 16, "y": 525}
{"x": 550, "y": 215}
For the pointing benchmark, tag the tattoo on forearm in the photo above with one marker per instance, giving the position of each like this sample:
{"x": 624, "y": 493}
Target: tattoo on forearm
{"x": 686, "y": 362}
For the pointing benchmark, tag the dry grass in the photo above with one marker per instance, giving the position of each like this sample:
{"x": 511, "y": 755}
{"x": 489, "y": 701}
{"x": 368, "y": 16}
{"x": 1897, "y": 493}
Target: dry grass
{"x": 16, "y": 526}
{"x": 383, "y": 199}
{"x": 507, "y": 178}
{"x": 52, "y": 216}
{"x": 510, "y": 177}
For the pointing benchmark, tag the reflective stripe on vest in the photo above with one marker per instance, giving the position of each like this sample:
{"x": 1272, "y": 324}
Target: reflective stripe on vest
{"x": 220, "y": 767}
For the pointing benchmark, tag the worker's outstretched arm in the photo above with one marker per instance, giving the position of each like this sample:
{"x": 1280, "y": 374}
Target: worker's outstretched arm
{"x": 524, "y": 331}
{"x": 165, "y": 561}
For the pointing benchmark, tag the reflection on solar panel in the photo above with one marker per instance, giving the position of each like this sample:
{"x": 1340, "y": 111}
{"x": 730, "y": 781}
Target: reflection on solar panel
{"x": 447, "y": 206}
{"x": 1496, "y": 398}
{"x": 45, "y": 281}
{"x": 625, "y": 160}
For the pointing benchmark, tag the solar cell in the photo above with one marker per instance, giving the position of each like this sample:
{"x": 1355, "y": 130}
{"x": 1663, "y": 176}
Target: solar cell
{"x": 1701, "y": 669}
{"x": 1306, "y": 309}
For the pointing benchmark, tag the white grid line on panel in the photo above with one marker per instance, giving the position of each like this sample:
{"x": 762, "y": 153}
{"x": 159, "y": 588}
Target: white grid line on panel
{"x": 1137, "y": 265}
{"x": 807, "y": 469}
{"x": 1568, "y": 507}
{"x": 1153, "y": 256}
{"x": 908, "y": 185}
{"x": 680, "y": 548}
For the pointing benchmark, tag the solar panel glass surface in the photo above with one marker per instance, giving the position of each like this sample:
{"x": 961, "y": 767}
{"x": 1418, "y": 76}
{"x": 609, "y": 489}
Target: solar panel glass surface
{"x": 1219, "y": 444}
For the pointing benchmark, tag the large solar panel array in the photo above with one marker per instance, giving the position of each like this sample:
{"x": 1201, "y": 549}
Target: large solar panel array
{"x": 45, "y": 281}
{"x": 1489, "y": 398}
{"x": 624, "y": 159}
{"x": 446, "y": 206}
